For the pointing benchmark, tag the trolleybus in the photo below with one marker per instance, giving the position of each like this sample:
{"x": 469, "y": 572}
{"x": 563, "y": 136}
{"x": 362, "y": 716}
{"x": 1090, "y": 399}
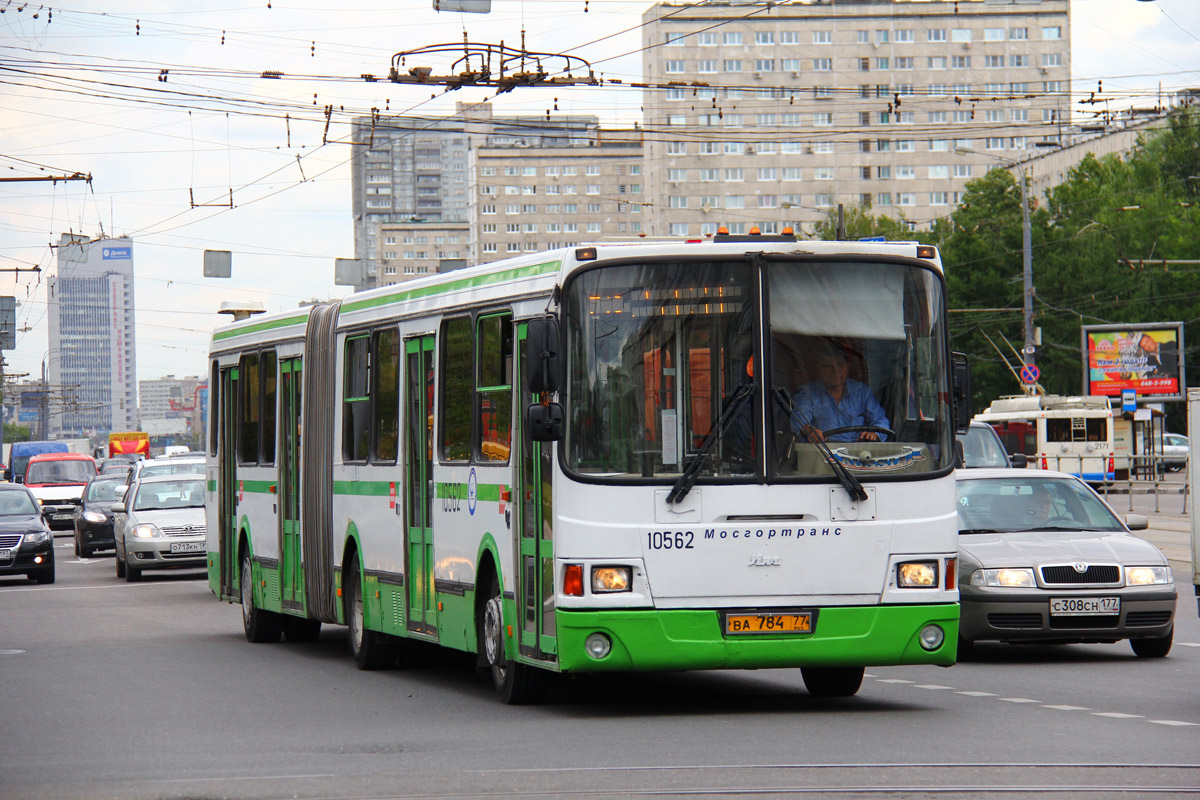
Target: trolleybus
{"x": 587, "y": 460}
{"x": 1067, "y": 434}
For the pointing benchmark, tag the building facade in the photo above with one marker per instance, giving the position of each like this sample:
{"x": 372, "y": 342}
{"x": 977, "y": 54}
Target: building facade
{"x": 412, "y": 249}
{"x": 772, "y": 115}
{"x": 168, "y": 397}
{"x": 91, "y": 364}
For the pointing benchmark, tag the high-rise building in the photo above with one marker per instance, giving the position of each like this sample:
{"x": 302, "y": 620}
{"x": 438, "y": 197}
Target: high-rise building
{"x": 168, "y": 397}
{"x": 773, "y": 114}
{"x": 91, "y": 365}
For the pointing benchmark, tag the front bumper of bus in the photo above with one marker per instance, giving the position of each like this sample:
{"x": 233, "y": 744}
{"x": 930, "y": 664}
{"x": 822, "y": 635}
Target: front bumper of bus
{"x": 690, "y": 639}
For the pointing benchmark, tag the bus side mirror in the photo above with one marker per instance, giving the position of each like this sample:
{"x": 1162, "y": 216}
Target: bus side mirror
{"x": 961, "y": 369}
{"x": 541, "y": 355}
{"x": 545, "y": 422}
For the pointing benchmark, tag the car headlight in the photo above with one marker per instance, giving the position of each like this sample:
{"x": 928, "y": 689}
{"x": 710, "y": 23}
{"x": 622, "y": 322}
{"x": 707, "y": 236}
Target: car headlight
{"x": 610, "y": 579}
{"x": 93, "y": 516}
{"x": 917, "y": 575}
{"x": 1143, "y": 576}
{"x": 36, "y": 537}
{"x": 146, "y": 531}
{"x": 1008, "y": 578}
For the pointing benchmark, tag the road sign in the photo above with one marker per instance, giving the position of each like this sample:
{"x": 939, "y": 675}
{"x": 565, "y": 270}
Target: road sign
{"x": 872, "y": 239}
{"x": 1030, "y": 373}
{"x": 1128, "y": 400}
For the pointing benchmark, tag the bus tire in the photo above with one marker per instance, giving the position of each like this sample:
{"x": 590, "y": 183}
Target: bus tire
{"x": 299, "y": 629}
{"x": 371, "y": 650}
{"x": 832, "y": 681}
{"x": 515, "y": 684}
{"x": 261, "y": 627}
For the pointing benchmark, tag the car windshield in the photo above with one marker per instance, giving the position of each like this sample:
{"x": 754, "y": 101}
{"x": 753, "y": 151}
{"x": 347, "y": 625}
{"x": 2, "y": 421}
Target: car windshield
{"x": 982, "y": 448}
{"x": 63, "y": 471}
{"x": 99, "y": 491}
{"x": 183, "y": 493}
{"x": 17, "y": 504}
{"x": 1001, "y": 505}
{"x": 180, "y": 468}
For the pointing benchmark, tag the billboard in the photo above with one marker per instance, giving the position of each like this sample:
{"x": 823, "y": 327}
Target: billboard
{"x": 1146, "y": 358}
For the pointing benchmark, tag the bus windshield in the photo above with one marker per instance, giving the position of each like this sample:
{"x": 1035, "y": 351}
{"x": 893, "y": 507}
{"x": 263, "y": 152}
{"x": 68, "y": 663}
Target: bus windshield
{"x": 665, "y": 365}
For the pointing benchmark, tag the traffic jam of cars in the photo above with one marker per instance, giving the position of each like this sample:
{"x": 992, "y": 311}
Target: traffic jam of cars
{"x": 1043, "y": 558}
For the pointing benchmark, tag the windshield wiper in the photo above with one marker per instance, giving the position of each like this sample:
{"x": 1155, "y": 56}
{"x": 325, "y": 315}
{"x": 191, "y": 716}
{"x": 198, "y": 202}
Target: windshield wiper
{"x": 981, "y": 530}
{"x": 687, "y": 478}
{"x": 850, "y": 483}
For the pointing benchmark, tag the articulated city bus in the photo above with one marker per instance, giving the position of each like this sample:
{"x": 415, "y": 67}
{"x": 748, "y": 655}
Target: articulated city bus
{"x": 591, "y": 460}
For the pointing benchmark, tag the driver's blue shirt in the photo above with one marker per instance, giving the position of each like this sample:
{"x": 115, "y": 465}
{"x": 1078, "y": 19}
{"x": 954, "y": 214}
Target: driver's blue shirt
{"x": 814, "y": 406}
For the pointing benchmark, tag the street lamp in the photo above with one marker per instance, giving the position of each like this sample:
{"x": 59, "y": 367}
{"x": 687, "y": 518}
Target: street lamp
{"x": 1026, "y": 249}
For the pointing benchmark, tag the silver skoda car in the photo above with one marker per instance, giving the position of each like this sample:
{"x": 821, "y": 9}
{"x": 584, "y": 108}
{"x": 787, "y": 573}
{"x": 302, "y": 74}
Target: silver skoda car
{"x": 1042, "y": 558}
{"x": 159, "y": 524}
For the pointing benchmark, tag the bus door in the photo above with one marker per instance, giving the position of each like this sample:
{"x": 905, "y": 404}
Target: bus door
{"x": 227, "y": 480}
{"x": 291, "y": 579}
{"x": 532, "y": 504}
{"x": 419, "y": 490}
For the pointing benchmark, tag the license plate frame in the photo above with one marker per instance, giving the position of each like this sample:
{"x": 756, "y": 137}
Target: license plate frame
{"x": 1085, "y": 606}
{"x": 769, "y": 623}
{"x": 183, "y": 548}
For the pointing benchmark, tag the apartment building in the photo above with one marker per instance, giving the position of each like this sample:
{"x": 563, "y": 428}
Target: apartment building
{"x": 532, "y": 199}
{"x": 412, "y": 249}
{"x": 772, "y": 115}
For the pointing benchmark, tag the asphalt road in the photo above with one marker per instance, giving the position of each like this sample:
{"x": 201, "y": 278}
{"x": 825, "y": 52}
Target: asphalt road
{"x": 149, "y": 690}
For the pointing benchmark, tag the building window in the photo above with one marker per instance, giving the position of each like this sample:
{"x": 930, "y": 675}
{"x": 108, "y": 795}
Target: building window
{"x": 1052, "y": 32}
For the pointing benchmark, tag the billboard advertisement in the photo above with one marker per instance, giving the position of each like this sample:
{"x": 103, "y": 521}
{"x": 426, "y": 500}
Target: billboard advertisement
{"x": 1146, "y": 358}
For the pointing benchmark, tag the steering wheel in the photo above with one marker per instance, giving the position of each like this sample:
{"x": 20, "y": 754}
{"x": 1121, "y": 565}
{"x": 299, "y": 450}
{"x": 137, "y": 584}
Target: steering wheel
{"x": 859, "y": 429}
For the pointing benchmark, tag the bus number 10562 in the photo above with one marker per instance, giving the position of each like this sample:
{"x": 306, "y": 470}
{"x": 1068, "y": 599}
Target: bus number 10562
{"x": 669, "y": 540}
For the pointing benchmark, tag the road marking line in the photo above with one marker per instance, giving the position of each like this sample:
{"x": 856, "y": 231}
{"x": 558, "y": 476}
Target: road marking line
{"x": 932, "y": 686}
{"x": 1187, "y": 644}
{"x": 1066, "y": 708}
{"x": 1174, "y": 722}
{"x": 978, "y": 694}
{"x": 1115, "y": 715}
{"x": 1019, "y": 700}
{"x": 893, "y": 680}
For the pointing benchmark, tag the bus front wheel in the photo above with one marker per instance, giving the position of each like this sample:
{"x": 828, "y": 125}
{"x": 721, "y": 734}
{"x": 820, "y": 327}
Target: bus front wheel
{"x": 515, "y": 684}
{"x": 371, "y": 650}
{"x": 832, "y": 681}
{"x": 260, "y": 626}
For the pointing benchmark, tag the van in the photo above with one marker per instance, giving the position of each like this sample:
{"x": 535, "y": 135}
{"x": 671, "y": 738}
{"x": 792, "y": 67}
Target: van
{"x": 57, "y": 481}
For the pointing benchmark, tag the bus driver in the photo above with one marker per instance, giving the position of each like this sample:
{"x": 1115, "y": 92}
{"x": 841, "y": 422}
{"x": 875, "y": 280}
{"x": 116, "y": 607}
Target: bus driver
{"x": 836, "y": 401}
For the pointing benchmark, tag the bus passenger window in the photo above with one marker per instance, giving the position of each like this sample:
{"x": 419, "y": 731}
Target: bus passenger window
{"x": 494, "y": 395}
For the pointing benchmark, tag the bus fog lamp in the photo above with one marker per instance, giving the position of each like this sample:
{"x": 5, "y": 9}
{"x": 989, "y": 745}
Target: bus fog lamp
{"x": 917, "y": 575}
{"x": 932, "y": 637}
{"x": 597, "y": 645}
{"x": 610, "y": 579}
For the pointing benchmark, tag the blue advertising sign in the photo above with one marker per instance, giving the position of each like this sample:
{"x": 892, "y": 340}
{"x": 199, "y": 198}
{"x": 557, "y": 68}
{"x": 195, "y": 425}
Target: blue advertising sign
{"x": 872, "y": 238}
{"x": 123, "y": 253}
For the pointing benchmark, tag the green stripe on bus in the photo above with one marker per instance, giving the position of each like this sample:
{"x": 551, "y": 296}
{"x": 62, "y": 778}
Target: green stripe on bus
{"x": 261, "y": 326}
{"x": 473, "y": 282}
{"x": 487, "y": 492}
{"x": 255, "y": 487}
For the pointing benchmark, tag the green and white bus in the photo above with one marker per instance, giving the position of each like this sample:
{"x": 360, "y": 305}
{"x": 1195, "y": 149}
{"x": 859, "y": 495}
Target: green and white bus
{"x": 587, "y": 460}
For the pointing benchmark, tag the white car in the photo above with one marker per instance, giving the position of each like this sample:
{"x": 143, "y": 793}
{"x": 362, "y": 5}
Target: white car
{"x": 159, "y": 524}
{"x": 1176, "y": 450}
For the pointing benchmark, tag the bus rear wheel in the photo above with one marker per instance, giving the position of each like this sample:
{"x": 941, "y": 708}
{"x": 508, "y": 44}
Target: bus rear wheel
{"x": 832, "y": 681}
{"x": 371, "y": 650}
{"x": 515, "y": 684}
{"x": 260, "y": 626}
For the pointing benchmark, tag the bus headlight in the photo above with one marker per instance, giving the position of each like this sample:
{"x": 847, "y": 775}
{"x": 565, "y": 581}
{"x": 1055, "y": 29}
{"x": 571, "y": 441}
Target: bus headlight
{"x": 917, "y": 575}
{"x": 1144, "y": 576}
{"x": 1007, "y": 578}
{"x": 610, "y": 579}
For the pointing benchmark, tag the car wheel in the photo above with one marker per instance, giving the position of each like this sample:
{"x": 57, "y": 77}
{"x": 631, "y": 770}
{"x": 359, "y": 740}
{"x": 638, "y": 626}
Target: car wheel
{"x": 297, "y": 629}
{"x": 45, "y": 576}
{"x": 261, "y": 626}
{"x": 77, "y": 553}
{"x": 515, "y": 684}
{"x": 120, "y": 566}
{"x": 371, "y": 650}
{"x": 1153, "y": 648}
{"x": 832, "y": 681}
{"x": 132, "y": 574}
{"x": 966, "y": 649}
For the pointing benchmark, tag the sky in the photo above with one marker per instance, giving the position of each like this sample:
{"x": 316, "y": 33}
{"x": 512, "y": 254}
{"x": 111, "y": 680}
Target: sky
{"x": 190, "y": 148}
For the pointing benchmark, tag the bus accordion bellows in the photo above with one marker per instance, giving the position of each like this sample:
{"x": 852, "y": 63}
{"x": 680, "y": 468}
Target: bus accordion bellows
{"x": 592, "y": 459}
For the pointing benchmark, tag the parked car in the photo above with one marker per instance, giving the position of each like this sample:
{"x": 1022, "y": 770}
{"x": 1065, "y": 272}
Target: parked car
{"x": 1042, "y": 558}
{"x": 57, "y": 481}
{"x": 159, "y": 524}
{"x": 982, "y": 447}
{"x": 94, "y": 523}
{"x": 26, "y": 542}
{"x": 1176, "y": 451}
